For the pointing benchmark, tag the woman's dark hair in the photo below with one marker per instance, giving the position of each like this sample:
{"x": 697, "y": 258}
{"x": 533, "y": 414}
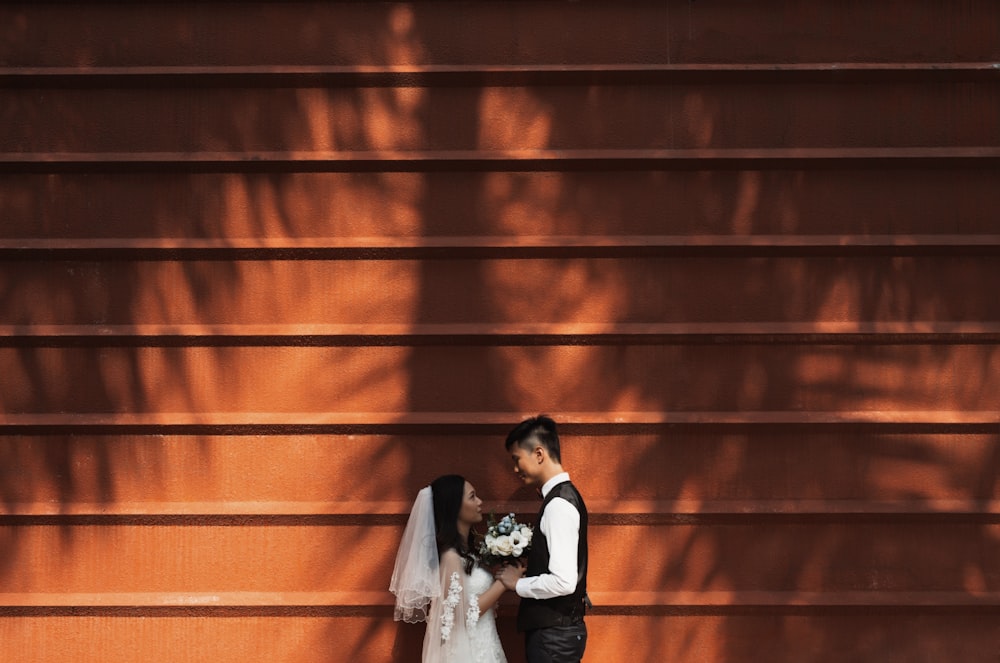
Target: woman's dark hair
{"x": 540, "y": 429}
{"x": 448, "y": 492}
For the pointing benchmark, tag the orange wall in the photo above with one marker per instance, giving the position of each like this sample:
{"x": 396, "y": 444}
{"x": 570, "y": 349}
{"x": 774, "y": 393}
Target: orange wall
{"x": 268, "y": 268}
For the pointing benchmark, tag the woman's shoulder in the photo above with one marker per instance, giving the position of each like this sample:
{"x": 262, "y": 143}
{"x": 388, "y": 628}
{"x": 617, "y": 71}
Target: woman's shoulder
{"x": 452, "y": 559}
{"x": 450, "y": 554}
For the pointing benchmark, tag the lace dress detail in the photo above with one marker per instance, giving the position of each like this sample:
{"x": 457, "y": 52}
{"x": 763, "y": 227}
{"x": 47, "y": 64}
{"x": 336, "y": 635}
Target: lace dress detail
{"x": 456, "y": 632}
{"x": 448, "y": 607}
{"x": 486, "y": 645}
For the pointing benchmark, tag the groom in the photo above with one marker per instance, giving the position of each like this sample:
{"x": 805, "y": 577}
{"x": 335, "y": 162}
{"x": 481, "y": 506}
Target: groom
{"x": 553, "y": 590}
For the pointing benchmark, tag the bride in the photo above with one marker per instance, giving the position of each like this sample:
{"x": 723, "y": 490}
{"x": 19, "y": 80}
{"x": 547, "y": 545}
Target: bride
{"x": 436, "y": 565}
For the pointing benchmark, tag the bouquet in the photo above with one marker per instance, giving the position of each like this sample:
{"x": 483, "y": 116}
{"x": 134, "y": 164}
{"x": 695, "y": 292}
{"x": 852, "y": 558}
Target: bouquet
{"x": 505, "y": 541}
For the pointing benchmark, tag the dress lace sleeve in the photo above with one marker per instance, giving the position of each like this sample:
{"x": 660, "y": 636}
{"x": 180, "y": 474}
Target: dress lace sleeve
{"x": 472, "y": 614}
{"x": 452, "y": 587}
{"x": 447, "y": 638}
{"x": 451, "y": 601}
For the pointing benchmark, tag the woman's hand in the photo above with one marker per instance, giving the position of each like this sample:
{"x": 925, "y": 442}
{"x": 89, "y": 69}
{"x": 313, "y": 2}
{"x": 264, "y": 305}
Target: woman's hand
{"x": 510, "y": 575}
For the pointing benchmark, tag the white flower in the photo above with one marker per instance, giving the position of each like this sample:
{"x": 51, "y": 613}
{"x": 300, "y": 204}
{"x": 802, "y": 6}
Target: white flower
{"x": 504, "y": 539}
{"x": 503, "y": 546}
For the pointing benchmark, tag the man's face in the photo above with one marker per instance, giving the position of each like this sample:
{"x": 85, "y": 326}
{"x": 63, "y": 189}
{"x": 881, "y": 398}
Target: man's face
{"x": 527, "y": 465}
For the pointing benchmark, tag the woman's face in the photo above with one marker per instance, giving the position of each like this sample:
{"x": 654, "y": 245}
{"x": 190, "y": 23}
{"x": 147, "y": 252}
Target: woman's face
{"x": 472, "y": 507}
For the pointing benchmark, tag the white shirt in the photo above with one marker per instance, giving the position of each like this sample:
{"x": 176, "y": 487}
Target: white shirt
{"x": 560, "y": 523}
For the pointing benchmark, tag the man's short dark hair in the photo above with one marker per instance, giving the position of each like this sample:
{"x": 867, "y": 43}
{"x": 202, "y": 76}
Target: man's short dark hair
{"x": 540, "y": 429}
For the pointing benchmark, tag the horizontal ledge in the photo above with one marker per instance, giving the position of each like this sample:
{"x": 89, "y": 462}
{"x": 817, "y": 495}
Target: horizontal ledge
{"x": 467, "y": 247}
{"x": 858, "y": 599}
{"x": 444, "y": 423}
{"x": 511, "y": 334}
{"x": 499, "y": 160}
{"x": 488, "y": 74}
{"x": 602, "y": 511}
{"x": 381, "y": 602}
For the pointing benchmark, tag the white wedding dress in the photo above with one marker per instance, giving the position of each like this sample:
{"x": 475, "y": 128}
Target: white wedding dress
{"x": 456, "y": 632}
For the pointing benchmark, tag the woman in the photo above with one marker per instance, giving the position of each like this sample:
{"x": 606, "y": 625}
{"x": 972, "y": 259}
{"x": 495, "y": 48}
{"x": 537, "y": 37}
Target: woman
{"x": 436, "y": 565}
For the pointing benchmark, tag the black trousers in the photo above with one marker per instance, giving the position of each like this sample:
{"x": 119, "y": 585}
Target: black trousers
{"x": 556, "y": 644}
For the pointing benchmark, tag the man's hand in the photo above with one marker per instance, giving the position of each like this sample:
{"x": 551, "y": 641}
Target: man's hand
{"x": 510, "y": 575}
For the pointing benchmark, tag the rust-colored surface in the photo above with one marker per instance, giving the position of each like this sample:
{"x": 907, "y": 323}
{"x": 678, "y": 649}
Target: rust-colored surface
{"x": 268, "y": 268}
{"x": 676, "y": 115}
{"x": 196, "y": 556}
{"x": 689, "y": 377}
{"x": 688, "y": 470}
{"x": 183, "y": 206}
{"x": 234, "y": 639}
{"x": 471, "y": 32}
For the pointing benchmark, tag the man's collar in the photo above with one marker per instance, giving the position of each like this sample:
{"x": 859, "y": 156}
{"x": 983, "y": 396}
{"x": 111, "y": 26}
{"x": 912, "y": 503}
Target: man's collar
{"x": 553, "y": 482}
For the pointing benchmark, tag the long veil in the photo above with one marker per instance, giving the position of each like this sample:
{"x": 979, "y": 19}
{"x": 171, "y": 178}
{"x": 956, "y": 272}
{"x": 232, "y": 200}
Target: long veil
{"x": 421, "y": 583}
{"x": 416, "y": 577}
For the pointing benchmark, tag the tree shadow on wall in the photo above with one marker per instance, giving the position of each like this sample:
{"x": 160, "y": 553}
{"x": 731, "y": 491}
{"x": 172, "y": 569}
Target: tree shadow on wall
{"x": 686, "y": 470}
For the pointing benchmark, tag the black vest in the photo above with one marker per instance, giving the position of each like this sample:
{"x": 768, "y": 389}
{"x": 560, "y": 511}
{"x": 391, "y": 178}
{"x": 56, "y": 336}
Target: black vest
{"x": 562, "y": 610}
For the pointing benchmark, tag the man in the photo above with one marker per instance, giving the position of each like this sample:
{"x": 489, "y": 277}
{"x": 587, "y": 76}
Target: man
{"x": 553, "y": 590}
